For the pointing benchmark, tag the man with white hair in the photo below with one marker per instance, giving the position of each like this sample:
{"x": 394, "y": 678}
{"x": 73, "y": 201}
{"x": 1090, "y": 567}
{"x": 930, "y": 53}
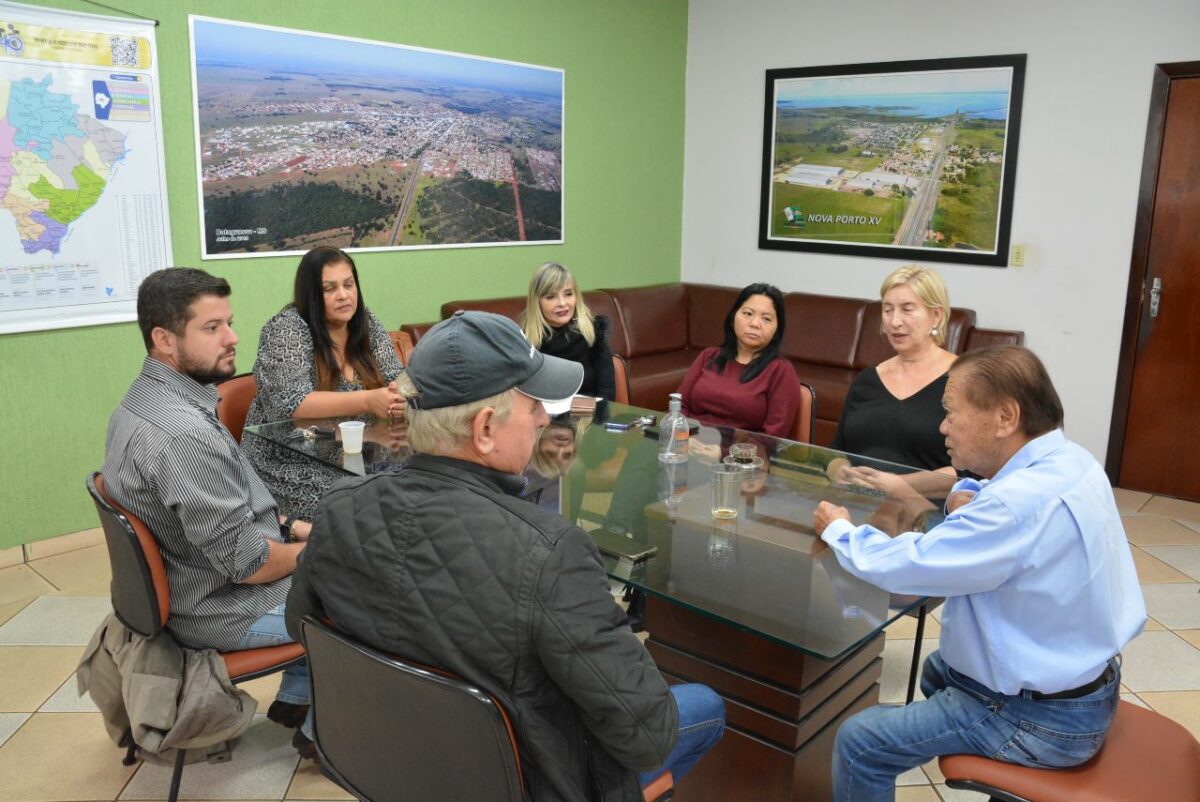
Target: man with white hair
{"x": 445, "y": 564}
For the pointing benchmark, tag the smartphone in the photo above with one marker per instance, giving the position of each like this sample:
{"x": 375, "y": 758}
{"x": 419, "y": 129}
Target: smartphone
{"x": 621, "y": 547}
{"x": 629, "y": 420}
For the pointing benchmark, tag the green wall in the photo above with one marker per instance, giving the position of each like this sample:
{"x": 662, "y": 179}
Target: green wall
{"x": 623, "y": 181}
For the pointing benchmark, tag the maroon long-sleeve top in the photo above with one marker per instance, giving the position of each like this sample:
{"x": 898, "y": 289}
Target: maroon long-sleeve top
{"x": 767, "y": 403}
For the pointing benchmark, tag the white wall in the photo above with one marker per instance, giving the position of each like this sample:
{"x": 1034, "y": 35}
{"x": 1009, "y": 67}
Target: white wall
{"x": 1087, "y": 94}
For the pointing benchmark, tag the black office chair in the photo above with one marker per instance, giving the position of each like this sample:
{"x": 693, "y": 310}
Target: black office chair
{"x": 141, "y": 600}
{"x": 388, "y": 730}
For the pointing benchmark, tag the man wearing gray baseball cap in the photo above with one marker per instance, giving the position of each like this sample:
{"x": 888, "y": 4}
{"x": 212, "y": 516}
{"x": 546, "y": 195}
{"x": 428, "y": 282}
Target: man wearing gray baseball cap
{"x": 444, "y": 563}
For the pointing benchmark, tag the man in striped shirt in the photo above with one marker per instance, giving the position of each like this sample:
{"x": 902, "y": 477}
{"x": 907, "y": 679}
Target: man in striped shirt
{"x": 171, "y": 461}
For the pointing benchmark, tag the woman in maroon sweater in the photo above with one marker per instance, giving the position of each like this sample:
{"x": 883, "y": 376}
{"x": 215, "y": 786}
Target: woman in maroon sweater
{"x": 745, "y": 384}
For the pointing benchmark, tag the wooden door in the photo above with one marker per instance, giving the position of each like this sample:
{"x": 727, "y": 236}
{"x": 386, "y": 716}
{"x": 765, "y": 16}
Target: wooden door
{"x": 1155, "y": 438}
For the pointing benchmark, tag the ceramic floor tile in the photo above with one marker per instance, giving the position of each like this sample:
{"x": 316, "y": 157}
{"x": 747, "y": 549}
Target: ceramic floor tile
{"x": 64, "y": 543}
{"x": 21, "y": 583}
{"x": 1173, "y": 508}
{"x": 84, "y": 572}
{"x": 309, "y": 783}
{"x": 263, "y": 689}
{"x": 1152, "y": 626}
{"x": 7, "y": 611}
{"x": 32, "y": 673}
{"x": 905, "y": 627}
{"x": 1192, "y": 636}
{"x": 1152, "y": 530}
{"x": 912, "y": 777}
{"x": 1133, "y": 699}
{"x": 1175, "y": 606}
{"x": 951, "y": 795}
{"x": 1180, "y": 706}
{"x": 1151, "y": 570}
{"x": 56, "y": 621}
{"x": 1130, "y": 500}
{"x": 934, "y": 772}
{"x": 1160, "y": 661}
{"x": 67, "y": 700}
{"x": 10, "y": 723}
{"x": 261, "y": 768}
{"x": 897, "y": 661}
{"x": 917, "y": 793}
{"x": 34, "y": 761}
{"x": 1183, "y": 558}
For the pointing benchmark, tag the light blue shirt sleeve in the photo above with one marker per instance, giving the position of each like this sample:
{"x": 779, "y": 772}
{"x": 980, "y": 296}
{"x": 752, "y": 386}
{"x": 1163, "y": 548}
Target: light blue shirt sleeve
{"x": 974, "y": 550}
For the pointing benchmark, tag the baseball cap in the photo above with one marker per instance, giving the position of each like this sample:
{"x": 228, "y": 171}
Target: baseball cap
{"x": 474, "y": 355}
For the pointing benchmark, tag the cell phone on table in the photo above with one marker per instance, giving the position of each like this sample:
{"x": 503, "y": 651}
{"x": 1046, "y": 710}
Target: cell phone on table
{"x": 629, "y": 420}
{"x": 621, "y": 547}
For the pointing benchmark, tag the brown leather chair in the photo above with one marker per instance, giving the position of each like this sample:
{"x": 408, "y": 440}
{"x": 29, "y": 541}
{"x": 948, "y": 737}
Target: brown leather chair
{"x": 235, "y": 396}
{"x": 1146, "y": 757}
{"x": 389, "y": 730}
{"x": 802, "y": 429}
{"x": 621, "y": 379}
{"x": 141, "y": 600}
{"x": 403, "y": 343}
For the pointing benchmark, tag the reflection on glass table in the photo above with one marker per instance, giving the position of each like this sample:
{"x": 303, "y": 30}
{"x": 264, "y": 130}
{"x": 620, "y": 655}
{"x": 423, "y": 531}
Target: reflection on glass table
{"x": 385, "y": 442}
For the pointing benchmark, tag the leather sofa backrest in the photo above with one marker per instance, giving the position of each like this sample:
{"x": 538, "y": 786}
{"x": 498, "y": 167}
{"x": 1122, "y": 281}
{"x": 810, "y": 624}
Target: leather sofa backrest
{"x": 823, "y": 329}
{"x": 601, "y": 303}
{"x": 873, "y": 347}
{"x": 509, "y": 307}
{"x": 708, "y": 304}
{"x": 654, "y": 318}
{"x": 984, "y": 338}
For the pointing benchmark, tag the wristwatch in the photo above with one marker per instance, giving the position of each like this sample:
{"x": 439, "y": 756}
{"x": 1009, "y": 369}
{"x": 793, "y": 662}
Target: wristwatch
{"x": 285, "y": 529}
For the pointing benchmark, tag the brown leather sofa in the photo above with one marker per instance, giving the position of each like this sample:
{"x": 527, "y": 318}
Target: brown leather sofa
{"x": 660, "y": 330}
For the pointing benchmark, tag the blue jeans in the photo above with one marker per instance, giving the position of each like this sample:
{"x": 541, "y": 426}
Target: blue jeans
{"x": 960, "y": 716}
{"x": 270, "y": 630}
{"x": 701, "y": 725}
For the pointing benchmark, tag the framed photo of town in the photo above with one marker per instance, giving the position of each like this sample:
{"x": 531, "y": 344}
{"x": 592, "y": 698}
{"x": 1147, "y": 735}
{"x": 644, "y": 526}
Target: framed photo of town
{"x": 306, "y": 139}
{"x": 904, "y": 159}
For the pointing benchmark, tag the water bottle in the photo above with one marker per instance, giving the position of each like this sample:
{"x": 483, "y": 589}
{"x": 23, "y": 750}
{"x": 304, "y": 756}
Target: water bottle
{"x": 672, "y": 484}
{"x": 673, "y": 433}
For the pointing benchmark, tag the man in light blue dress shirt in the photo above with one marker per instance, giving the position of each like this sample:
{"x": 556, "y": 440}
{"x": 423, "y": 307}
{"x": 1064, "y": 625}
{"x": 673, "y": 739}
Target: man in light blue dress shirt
{"x": 1041, "y": 591}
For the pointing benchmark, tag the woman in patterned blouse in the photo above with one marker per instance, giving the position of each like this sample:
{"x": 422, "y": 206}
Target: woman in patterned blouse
{"x": 324, "y": 355}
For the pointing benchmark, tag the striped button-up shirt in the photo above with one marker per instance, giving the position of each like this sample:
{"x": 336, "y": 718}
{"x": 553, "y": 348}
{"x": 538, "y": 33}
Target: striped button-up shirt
{"x": 171, "y": 462}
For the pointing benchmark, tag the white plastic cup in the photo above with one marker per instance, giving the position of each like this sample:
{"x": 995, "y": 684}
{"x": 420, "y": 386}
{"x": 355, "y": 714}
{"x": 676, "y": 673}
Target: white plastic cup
{"x": 352, "y": 436}
{"x": 727, "y": 481}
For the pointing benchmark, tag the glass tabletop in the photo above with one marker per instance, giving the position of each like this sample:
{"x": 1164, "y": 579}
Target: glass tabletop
{"x": 764, "y": 571}
{"x": 385, "y": 442}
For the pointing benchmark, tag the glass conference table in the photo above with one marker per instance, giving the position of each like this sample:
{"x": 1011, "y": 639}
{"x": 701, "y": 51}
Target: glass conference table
{"x": 756, "y": 607}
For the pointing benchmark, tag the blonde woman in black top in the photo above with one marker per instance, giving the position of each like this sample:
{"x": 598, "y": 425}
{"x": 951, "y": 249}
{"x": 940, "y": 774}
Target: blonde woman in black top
{"x": 556, "y": 321}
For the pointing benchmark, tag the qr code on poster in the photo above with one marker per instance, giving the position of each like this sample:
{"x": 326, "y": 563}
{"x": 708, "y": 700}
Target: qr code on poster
{"x": 124, "y": 51}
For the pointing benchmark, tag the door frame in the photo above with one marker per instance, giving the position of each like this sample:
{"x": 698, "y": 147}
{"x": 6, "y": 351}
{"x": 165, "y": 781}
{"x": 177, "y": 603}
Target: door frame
{"x": 1134, "y": 322}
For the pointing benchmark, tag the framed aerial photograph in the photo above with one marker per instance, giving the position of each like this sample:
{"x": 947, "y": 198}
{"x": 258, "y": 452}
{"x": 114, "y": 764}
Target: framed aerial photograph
{"x": 904, "y": 159}
{"x": 306, "y": 138}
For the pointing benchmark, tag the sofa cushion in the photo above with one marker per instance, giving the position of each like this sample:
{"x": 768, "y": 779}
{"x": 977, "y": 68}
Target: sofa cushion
{"x": 830, "y": 386}
{"x": 873, "y": 347}
{"x": 708, "y": 305}
{"x": 983, "y": 338}
{"x": 653, "y": 377}
{"x": 654, "y": 319}
{"x": 822, "y": 329}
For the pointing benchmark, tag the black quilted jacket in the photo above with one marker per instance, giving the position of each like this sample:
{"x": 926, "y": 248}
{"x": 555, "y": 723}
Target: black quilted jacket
{"x": 443, "y": 564}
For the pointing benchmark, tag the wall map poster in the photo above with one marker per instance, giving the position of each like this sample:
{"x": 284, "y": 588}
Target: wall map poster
{"x": 309, "y": 139}
{"x": 83, "y": 211}
{"x": 912, "y": 160}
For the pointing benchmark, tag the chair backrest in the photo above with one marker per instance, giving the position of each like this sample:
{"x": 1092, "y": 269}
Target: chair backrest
{"x": 236, "y": 394}
{"x": 140, "y": 595}
{"x": 402, "y": 341}
{"x": 387, "y": 729}
{"x": 802, "y": 429}
{"x": 621, "y": 379}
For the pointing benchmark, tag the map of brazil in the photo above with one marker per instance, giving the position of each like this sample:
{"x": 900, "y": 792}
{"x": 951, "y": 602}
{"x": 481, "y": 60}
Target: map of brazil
{"x": 55, "y": 163}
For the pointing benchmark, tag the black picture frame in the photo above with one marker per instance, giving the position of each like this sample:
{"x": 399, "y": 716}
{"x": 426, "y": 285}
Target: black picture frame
{"x": 868, "y": 159}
